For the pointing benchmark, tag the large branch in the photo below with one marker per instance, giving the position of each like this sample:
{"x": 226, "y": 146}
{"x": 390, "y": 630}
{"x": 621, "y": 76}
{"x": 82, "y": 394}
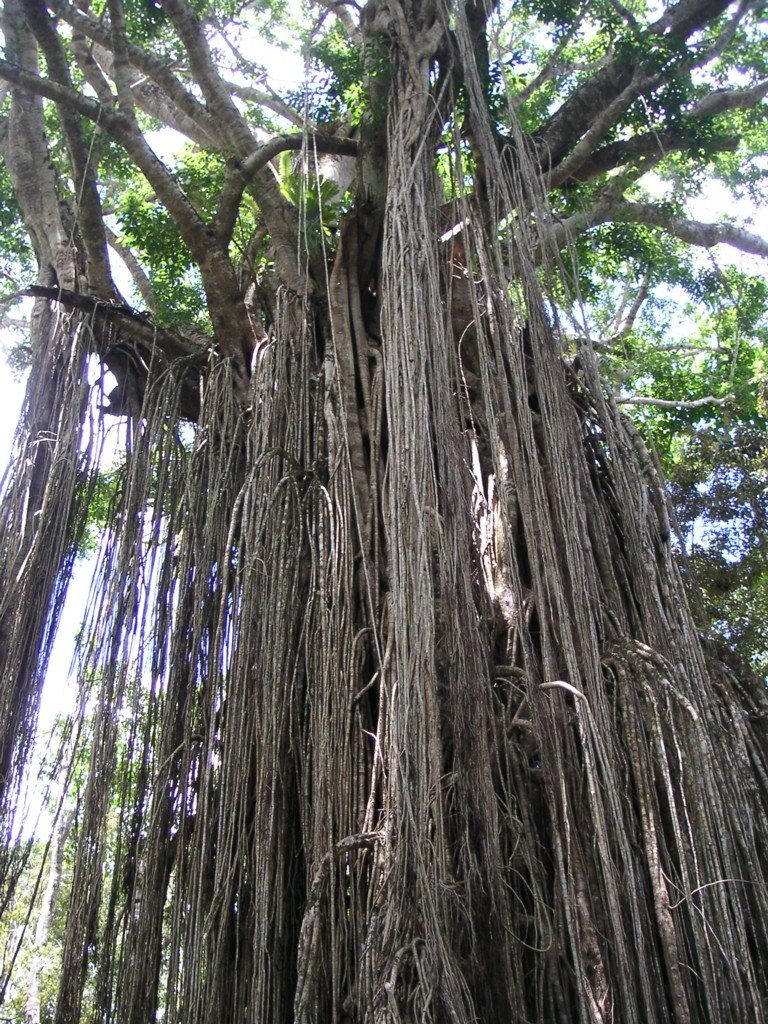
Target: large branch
{"x": 578, "y": 113}
{"x": 673, "y": 403}
{"x": 277, "y": 214}
{"x": 148, "y": 65}
{"x": 723, "y": 100}
{"x": 653, "y": 146}
{"x": 709, "y": 52}
{"x": 83, "y": 52}
{"x": 611, "y": 206}
{"x": 128, "y": 343}
{"x": 218, "y": 100}
{"x": 191, "y": 226}
{"x": 682, "y": 19}
{"x": 693, "y": 231}
{"x": 151, "y": 99}
{"x": 267, "y": 98}
{"x": 650, "y": 148}
{"x": 607, "y": 118}
{"x": 589, "y": 102}
{"x": 219, "y": 280}
{"x": 121, "y": 67}
{"x": 239, "y": 175}
{"x": 88, "y": 211}
{"x": 24, "y": 148}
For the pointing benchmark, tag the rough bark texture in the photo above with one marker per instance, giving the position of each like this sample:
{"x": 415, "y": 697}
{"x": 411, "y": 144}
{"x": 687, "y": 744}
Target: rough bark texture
{"x": 400, "y": 713}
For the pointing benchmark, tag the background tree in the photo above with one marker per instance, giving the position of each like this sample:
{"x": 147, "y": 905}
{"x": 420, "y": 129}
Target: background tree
{"x": 399, "y": 709}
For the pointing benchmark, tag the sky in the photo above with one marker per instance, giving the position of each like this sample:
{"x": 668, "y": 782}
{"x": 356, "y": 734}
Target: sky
{"x": 11, "y": 396}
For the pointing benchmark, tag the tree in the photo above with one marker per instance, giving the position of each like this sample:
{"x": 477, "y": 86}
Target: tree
{"x": 396, "y": 684}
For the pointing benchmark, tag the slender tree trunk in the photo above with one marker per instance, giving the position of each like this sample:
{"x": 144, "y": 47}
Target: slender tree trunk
{"x": 42, "y": 928}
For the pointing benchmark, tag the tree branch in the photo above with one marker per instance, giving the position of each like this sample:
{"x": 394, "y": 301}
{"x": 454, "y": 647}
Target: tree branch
{"x": 693, "y": 231}
{"x": 726, "y": 35}
{"x": 266, "y": 99}
{"x": 220, "y": 105}
{"x": 88, "y": 203}
{"x": 238, "y": 176}
{"x": 578, "y": 112}
{"x": 282, "y": 143}
{"x": 127, "y": 342}
{"x": 730, "y": 99}
{"x": 120, "y": 63}
{"x": 83, "y": 52}
{"x": 650, "y": 147}
{"x": 586, "y": 105}
{"x": 150, "y": 98}
{"x": 548, "y": 71}
{"x": 341, "y": 9}
{"x": 688, "y": 16}
{"x": 581, "y": 151}
{"x": 24, "y": 148}
{"x": 154, "y": 68}
{"x": 225, "y": 298}
{"x": 140, "y": 327}
{"x": 670, "y": 403}
{"x": 624, "y": 320}
{"x": 611, "y": 206}
{"x": 50, "y": 90}
{"x": 278, "y": 217}
{"x": 186, "y": 218}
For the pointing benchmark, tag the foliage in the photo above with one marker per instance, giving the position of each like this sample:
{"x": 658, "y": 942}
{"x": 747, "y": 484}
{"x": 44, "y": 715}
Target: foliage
{"x": 99, "y": 494}
{"x": 720, "y": 489}
{"x": 396, "y": 704}
{"x": 15, "y": 250}
{"x": 147, "y": 228}
{"x": 703, "y": 332}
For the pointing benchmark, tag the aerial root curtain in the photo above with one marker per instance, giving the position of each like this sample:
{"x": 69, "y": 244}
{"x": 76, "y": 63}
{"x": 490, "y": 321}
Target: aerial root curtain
{"x": 399, "y": 710}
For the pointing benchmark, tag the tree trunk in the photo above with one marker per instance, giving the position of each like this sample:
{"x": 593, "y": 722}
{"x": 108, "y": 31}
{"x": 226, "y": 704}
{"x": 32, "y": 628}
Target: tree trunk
{"x": 47, "y": 905}
{"x": 420, "y": 725}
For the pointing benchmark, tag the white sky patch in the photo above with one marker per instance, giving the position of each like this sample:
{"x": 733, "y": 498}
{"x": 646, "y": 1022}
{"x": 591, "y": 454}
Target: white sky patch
{"x": 11, "y": 398}
{"x": 286, "y": 69}
{"x": 166, "y": 143}
{"x": 656, "y": 187}
{"x": 715, "y": 203}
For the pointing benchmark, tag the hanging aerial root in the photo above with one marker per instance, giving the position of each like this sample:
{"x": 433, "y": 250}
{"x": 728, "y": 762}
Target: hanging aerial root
{"x": 43, "y": 511}
{"x": 396, "y": 708}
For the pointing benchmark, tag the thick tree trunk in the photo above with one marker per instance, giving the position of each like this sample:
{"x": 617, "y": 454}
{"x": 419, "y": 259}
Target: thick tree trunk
{"x": 420, "y": 727}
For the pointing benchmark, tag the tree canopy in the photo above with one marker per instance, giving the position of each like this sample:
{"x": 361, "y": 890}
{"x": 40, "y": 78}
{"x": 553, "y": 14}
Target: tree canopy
{"x": 628, "y": 112}
{"x": 399, "y": 698}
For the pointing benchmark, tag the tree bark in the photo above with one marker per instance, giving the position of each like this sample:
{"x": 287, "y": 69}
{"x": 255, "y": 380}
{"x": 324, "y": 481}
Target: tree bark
{"x": 400, "y": 710}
